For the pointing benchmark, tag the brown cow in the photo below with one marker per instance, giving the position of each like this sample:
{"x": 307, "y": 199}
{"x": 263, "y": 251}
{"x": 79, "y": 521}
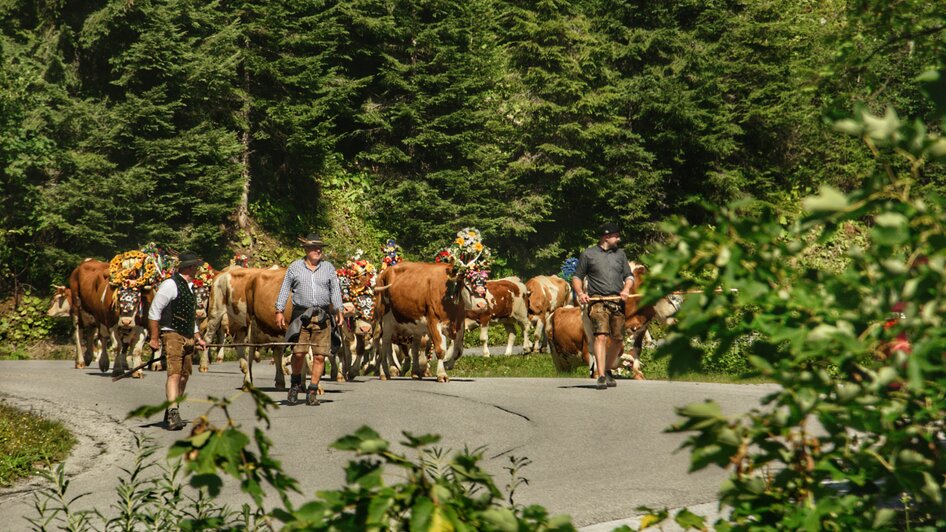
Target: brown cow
{"x": 85, "y": 327}
{"x": 546, "y": 294}
{"x": 570, "y": 329}
{"x": 425, "y": 296}
{"x": 116, "y": 315}
{"x": 507, "y": 301}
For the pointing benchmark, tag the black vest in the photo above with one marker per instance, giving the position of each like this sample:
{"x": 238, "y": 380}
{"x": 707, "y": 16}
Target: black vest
{"x": 181, "y": 312}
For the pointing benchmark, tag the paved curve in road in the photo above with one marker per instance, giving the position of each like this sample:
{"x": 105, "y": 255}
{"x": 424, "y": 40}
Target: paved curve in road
{"x": 596, "y": 455}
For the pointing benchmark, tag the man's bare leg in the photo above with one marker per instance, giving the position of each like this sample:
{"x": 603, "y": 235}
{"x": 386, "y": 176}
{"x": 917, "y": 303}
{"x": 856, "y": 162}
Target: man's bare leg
{"x": 601, "y": 348}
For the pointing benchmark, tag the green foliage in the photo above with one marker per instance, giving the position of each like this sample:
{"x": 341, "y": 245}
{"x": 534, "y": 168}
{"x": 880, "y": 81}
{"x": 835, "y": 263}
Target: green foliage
{"x": 28, "y": 442}
{"x": 27, "y": 323}
{"x": 124, "y": 123}
{"x": 437, "y": 490}
{"x": 853, "y": 437}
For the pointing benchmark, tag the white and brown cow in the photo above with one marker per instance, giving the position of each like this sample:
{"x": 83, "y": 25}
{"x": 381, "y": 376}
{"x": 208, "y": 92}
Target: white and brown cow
{"x": 128, "y": 334}
{"x": 547, "y": 293}
{"x": 507, "y": 303}
{"x": 424, "y": 297}
{"x": 227, "y": 311}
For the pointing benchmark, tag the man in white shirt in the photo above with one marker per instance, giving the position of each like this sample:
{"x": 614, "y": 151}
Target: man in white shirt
{"x": 174, "y": 311}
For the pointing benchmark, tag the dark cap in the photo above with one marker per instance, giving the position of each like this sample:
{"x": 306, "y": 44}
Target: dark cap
{"x": 188, "y": 259}
{"x": 312, "y": 240}
{"x": 608, "y": 228}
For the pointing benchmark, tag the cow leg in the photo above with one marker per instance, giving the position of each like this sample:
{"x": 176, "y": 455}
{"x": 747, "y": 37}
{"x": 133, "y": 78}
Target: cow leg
{"x": 80, "y": 361}
{"x": 120, "y": 353}
{"x": 103, "y": 359}
{"x": 545, "y": 341}
{"x": 538, "y": 336}
{"x": 387, "y": 346}
{"x": 396, "y": 360}
{"x": 484, "y": 336}
{"x": 636, "y": 353}
{"x": 286, "y": 367}
{"x": 510, "y": 337}
{"x": 279, "y": 356}
{"x": 527, "y": 344}
{"x": 105, "y": 336}
{"x": 246, "y": 366}
{"x": 356, "y": 358}
{"x": 333, "y": 363}
{"x": 433, "y": 329}
{"x": 137, "y": 347}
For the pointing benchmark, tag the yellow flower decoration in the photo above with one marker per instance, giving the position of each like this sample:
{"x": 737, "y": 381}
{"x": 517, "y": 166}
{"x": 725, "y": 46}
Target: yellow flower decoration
{"x": 478, "y": 246}
{"x": 459, "y": 241}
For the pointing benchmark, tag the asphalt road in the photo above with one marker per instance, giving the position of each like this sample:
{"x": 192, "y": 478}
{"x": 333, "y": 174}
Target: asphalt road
{"x": 596, "y": 455}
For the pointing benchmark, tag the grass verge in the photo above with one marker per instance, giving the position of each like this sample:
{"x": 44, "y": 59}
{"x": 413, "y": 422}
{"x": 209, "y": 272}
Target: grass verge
{"x": 28, "y": 442}
{"x": 540, "y": 365}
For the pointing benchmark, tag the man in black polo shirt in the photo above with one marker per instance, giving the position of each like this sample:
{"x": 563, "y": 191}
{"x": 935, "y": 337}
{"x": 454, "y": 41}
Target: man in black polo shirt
{"x": 605, "y": 267}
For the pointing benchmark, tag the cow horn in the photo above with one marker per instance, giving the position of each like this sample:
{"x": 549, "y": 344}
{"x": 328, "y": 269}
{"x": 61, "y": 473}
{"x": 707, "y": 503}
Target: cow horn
{"x": 382, "y": 288}
{"x": 59, "y": 287}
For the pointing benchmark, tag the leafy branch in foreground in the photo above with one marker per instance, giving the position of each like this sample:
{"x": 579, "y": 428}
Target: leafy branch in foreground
{"x": 438, "y": 491}
{"x": 853, "y": 438}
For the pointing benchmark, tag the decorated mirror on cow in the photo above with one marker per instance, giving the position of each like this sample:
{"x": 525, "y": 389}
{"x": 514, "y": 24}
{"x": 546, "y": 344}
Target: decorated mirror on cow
{"x": 203, "y": 279}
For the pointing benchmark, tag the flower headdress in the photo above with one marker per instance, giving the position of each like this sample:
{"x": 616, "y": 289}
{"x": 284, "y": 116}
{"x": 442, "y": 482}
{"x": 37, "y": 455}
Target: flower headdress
{"x": 138, "y": 268}
{"x": 467, "y": 253}
{"x": 204, "y": 276}
{"x": 240, "y": 260}
{"x": 357, "y": 277}
{"x": 391, "y": 254}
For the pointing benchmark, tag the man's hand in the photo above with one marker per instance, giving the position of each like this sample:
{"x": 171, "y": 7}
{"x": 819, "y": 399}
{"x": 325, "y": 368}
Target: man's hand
{"x": 280, "y": 321}
{"x": 338, "y": 319}
{"x": 583, "y": 298}
{"x": 624, "y": 295}
{"x": 154, "y": 343}
{"x": 201, "y": 343}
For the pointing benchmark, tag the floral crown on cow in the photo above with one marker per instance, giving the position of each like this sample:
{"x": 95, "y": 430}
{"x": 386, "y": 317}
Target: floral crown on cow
{"x": 139, "y": 268}
{"x": 468, "y": 255}
{"x": 357, "y": 277}
{"x": 204, "y": 276}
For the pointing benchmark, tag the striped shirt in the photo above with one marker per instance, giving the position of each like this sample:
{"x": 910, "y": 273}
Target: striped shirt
{"x": 310, "y": 288}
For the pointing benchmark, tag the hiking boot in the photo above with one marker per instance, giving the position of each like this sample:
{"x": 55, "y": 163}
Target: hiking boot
{"x": 312, "y": 396}
{"x": 293, "y": 397}
{"x": 609, "y": 380}
{"x": 601, "y": 384}
{"x": 174, "y": 420}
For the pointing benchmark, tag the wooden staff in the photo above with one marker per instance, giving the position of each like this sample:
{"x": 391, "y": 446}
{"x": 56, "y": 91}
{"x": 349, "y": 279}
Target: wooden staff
{"x": 138, "y": 367}
{"x": 677, "y": 293}
{"x": 270, "y": 344}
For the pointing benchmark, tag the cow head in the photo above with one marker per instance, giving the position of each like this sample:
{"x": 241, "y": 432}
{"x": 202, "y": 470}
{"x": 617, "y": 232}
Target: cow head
{"x": 129, "y": 305}
{"x": 202, "y": 294}
{"x": 61, "y": 304}
{"x": 474, "y": 290}
{"x": 364, "y": 314}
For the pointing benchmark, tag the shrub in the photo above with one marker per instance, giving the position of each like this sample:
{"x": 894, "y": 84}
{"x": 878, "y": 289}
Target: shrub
{"x": 853, "y": 438}
{"x": 440, "y": 490}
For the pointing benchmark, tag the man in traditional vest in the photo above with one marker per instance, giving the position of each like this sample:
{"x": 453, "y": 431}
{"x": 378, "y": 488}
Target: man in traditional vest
{"x": 174, "y": 311}
{"x": 316, "y": 302}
